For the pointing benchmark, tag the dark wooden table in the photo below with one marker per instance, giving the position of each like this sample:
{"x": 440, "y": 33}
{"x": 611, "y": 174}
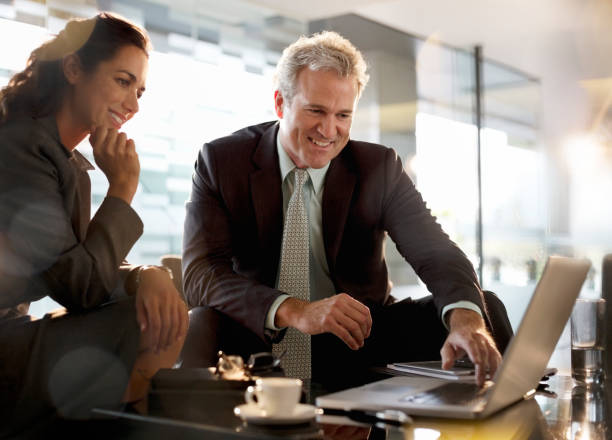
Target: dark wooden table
{"x": 561, "y": 411}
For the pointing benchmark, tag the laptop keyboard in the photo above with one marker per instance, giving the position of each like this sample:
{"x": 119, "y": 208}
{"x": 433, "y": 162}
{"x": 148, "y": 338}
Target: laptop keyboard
{"x": 452, "y": 393}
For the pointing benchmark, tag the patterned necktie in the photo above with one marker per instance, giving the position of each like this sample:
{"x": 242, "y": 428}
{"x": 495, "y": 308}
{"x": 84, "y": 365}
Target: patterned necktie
{"x": 294, "y": 278}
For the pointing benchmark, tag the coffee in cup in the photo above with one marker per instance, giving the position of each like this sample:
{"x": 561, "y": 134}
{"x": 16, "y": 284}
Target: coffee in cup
{"x": 276, "y": 396}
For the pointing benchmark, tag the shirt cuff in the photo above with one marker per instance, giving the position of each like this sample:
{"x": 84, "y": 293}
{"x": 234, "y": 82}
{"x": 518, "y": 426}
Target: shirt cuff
{"x": 459, "y": 305}
{"x": 272, "y": 312}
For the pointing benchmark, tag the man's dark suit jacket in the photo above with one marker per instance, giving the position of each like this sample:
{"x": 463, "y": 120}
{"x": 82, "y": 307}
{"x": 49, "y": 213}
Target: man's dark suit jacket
{"x": 234, "y": 225}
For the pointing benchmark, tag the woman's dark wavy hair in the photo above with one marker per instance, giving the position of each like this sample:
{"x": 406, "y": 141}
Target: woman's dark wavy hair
{"x": 38, "y": 90}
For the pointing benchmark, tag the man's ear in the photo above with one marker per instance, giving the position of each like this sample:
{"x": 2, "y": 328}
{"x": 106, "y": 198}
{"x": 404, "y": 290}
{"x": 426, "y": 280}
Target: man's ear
{"x": 278, "y": 103}
{"x": 71, "y": 64}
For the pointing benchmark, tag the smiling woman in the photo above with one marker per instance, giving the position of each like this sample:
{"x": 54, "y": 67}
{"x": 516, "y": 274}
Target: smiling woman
{"x": 109, "y": 95}
{"x": 121, "y": 322}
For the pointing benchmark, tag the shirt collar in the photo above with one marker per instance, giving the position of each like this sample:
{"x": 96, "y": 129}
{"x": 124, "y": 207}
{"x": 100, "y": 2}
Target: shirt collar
{"x": 317, "y": 175}
{"x": 82, "y": 161}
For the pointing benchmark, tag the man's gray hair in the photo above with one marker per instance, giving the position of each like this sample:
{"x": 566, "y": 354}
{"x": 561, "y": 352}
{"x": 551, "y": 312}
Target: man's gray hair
{"x": 322, "y": 51}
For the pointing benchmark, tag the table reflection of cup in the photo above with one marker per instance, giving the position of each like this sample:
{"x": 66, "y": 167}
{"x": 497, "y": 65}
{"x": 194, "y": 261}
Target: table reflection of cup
{"x": 588, "y": 413}
{"x": 588, "y": 332}
{"x": 276, "y": 396}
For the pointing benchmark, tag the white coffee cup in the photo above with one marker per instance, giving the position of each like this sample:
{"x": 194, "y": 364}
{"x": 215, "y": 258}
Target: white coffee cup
{"x": 275, "y": 395}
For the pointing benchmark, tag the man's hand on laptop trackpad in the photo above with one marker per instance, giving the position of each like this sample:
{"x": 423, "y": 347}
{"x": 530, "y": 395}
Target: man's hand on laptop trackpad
{"x": 468, "y": 335}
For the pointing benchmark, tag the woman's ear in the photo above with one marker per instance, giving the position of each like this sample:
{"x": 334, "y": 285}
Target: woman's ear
{"x": 72, "y": 68}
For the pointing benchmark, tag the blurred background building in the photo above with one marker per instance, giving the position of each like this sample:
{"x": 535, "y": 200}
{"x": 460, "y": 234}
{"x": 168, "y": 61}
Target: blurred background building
{"x": 537, "y": 183}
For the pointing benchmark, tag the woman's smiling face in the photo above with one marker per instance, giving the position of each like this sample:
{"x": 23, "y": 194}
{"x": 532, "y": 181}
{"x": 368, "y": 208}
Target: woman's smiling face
{"x": 108, "y": 96}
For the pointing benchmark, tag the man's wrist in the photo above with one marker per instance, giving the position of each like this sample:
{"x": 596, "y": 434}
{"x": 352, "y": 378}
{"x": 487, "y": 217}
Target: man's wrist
{"x": 446, "y": 311}
{"x": 462, "y": 317}
{"x": 271, "y": 316}
{"x": 288, "y": 311}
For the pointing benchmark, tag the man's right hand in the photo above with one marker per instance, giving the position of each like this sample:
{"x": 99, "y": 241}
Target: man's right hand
{"x": 340, "y": 314}
{"x": 116, "y": 156}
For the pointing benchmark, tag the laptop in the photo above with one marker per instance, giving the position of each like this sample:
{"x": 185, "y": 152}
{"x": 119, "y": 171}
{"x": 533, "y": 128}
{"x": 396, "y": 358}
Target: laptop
{"x": 516, "y": 378}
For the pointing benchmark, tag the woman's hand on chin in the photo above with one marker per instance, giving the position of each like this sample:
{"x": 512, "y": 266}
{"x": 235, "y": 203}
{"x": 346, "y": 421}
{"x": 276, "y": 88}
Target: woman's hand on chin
{"x": 116, "y": 156}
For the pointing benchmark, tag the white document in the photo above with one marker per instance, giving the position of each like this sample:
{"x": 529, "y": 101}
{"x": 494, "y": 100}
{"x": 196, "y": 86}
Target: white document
{"x": 460, "y": 373}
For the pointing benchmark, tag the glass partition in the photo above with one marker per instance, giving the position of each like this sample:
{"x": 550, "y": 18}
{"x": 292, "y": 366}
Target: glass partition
{"x": 513, "y": 187}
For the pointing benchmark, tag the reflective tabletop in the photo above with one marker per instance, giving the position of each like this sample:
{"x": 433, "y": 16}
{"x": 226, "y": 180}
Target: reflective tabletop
{"x": 560, "y": 410}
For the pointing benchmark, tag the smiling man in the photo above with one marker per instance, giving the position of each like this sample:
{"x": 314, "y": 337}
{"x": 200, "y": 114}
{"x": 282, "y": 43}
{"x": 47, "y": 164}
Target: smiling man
{"x": 284, "y": 240}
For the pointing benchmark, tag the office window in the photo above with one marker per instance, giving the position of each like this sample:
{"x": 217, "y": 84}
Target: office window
{"x": 187, "y": 103}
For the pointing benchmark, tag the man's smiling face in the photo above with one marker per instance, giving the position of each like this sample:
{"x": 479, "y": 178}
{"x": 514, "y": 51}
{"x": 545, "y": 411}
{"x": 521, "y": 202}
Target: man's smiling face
{"x": 316, "y": 122}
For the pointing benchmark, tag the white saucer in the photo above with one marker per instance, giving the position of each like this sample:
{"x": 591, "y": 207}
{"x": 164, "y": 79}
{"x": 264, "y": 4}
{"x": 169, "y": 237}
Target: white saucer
{"x": 254, "y": 414}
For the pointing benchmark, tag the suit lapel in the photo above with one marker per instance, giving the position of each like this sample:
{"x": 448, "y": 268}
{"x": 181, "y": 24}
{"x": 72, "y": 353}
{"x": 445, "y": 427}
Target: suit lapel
{"x": 81, "y": 214}
{"x": 339, "y": 186}
{"x": 266, "y": 195}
